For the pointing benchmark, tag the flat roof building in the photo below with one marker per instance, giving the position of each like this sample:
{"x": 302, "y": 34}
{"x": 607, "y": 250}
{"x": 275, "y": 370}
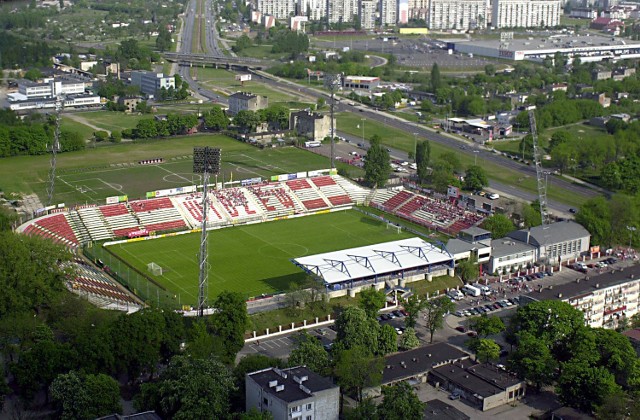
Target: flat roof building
{"x": 150, "y": 83}
{"x": 293, "y": 393}
{"x": 588, "y": 48}
{"x": 360, "y": 82}
{"x": 244, "y": 101}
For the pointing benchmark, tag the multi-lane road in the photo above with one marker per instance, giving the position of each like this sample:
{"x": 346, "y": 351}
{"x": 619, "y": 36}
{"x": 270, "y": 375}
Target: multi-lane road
{"x": 208, "y": 18}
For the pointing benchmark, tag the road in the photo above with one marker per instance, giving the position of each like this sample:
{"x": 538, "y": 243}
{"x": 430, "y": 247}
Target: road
{"x": 381, "y": 117}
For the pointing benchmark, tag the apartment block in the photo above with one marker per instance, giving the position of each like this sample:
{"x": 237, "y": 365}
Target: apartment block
{"x": 388, "y": 12}
{"x": 368, "y": 14}
{"x": 151, "y": 82}
{"x": 279, "y": 9}
{"x": 525, "y": 13}
{"x": 342, "y": 10}
{"x": 457, "y": 14}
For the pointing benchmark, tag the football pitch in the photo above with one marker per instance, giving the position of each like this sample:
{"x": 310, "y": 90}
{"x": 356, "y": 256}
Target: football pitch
{"x": 253, "y": 259}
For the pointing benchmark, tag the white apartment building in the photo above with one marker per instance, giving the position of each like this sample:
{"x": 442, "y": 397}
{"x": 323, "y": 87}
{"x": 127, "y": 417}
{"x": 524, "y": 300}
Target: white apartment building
{"x": 525, "y": 13}
{"x": 388, "y": 12}
{"x": 280, "y": 9}
{"x": 342, "y": 10}
{"x": 457, "y": 14}
{"x": 368, "y": 14}
{"x": 418, "y": 9}
{"x": 316, "y": 10}
{"x": 604, "y": 299}
{"x": 151, "y": 82}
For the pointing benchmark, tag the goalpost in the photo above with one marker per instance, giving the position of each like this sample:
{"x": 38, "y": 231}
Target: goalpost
{"x": 154, "y": 269}
{"x": 394, "y": 226}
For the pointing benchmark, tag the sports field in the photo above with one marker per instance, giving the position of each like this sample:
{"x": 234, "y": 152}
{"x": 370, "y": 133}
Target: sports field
{"x": 92, "y": 175}
{"x": 253, "y": 259}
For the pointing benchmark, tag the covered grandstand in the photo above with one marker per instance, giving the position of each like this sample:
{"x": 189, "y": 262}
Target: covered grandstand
{"x": 387, "y": 264}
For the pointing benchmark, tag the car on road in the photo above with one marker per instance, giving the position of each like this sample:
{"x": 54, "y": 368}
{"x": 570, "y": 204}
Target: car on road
{"x": 572, "y": 210}
{"x": 472, "y": 333}
{"x": 461, "y": 329}
{"x": 493, "y": 196}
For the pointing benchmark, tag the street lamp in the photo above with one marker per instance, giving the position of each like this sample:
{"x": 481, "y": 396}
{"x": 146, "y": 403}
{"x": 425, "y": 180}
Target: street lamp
{"x": 415, "y": 147}
{"x": 631, "y": 229}
{"x": 475, "y": 157}
{"x": 332, "y": 81}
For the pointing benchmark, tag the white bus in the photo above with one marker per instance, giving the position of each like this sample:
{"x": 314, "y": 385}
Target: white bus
{"x": 311, "y": 144}
{"x": 471, "y": 290}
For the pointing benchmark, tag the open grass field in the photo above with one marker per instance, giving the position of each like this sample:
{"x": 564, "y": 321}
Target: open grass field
{"x": 93, "y": 174}
{"x": 253, "y": 259}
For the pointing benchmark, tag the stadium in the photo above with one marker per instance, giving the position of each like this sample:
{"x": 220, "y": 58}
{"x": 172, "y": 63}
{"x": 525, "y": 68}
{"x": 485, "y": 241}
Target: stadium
{"x": 264, "y": 236}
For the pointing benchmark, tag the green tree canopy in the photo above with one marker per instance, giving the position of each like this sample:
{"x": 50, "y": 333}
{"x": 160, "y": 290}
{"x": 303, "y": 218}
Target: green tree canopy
{"x": 486, "y": 350}
{"x": 585, "y": 387}
{"x": 423, "y": 157}
{"x": 475, "y": 178}
{"x": 309, "y": 351}
{"x": 355, "y": 328}
{"x": 387, "y": 340}
{"x": 499, "y": 225}
{"x": 228, "y": 324}
{"x": 79, "y": 396}
{"x": 372, "y": 300}
{"x": 533, "y": 361}
{"x": 376, "y": 166}
{"x": 409, "y": 340}
{"x": 486, "y": 325}
{"x": 434, "y": 310}
{"x": 400, "y": 402}
{"x": 357, "y": 369}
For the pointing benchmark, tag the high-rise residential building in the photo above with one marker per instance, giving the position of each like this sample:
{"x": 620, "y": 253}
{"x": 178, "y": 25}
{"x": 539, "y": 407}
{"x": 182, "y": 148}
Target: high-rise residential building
{"x": 525, "y": 13}
{"x": 342, "y": 10}
{"x": 418, "y": 9}
{"x": 388, "y": 12}
{"x": 368, "y": 14}
{"x": 315, "y": 10}
{"x": 279, "y": 9}
{"x": 457, "y": 14}
{"x": 403, "y": 11}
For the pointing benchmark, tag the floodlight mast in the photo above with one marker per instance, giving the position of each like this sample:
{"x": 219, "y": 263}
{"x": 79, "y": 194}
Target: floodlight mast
{"x": 206, "y": 160}
{"x": 54, "y": 152}
{"x": 332, "y": 81}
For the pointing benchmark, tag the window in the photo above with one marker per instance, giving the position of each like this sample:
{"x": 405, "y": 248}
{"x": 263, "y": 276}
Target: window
{"x": 309, "y": 407}
{"x": 308, "y": 418}
{"x": 265, "y": 402}
{"x": 294, "y": 409}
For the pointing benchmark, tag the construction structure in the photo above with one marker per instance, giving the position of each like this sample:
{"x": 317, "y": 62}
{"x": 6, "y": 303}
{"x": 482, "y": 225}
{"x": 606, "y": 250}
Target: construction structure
{"x": 332, "y": 81}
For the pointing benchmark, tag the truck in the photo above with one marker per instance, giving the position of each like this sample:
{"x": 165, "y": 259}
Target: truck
{"x": 455, "y": 294}
{"x": 471, "y": 290}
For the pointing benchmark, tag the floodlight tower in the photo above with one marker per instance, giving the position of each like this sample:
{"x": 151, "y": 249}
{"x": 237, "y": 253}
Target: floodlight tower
{"x": 54, "y": 151}
{"x": 206, "y": 160}
{"x": 332, "y": 81}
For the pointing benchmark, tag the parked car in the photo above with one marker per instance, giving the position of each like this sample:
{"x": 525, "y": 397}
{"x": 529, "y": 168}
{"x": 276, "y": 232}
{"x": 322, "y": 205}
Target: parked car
{"x": 461, "y": 329}
{"x": 458, "y": 314}
{"x": 404, "y": 313}
{"x": 472, "y": 333}
{"x": 321, "y": 331}
{"x": 454, "y": 396}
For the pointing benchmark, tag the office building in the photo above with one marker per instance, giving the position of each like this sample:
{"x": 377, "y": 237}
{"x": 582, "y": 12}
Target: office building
{"x": 150, "y": 83}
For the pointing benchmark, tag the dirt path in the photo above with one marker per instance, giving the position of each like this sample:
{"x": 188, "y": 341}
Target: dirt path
{"x": 82, "y": 120}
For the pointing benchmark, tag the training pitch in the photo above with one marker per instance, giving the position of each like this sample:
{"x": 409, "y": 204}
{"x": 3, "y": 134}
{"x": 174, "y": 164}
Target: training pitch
{"x": 253, "y": 259}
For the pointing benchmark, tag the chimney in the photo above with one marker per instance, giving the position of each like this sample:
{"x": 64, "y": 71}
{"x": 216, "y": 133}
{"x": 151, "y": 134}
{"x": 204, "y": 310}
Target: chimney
{"x": 273, "y": 383}
{"x": 280, "y": 388}
{"x": 559, "y": 295}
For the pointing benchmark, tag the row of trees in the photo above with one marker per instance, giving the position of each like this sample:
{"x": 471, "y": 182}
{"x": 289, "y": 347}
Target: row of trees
{"x": 174, "y": 124}
{"x": 33, "y": 137}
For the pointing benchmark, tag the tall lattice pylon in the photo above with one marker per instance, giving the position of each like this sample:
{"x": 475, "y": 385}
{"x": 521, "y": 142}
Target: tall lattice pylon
{"x": 540, "y": 174}
{"x": 54, "y": 152}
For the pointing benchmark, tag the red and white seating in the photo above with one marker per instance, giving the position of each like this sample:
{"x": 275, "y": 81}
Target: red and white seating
{"x": 236, "y": 204}
{"x": 158, "y": 214}
{"x": 192, "y": 207}
{"x": 275, "y": 199}
{"x": 308, "y": 195}
{"x": 335, "y": 194}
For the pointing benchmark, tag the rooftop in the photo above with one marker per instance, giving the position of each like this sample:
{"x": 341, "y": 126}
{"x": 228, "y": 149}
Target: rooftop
{"x": 507, "y": 246}
{"x": 478, "y": 379}
{"x": 440, "y": 410}
{"x": 457, "y": 246}
{"x": 408, "y": 364}
{"x": 243, "y": 95}
{"x": 633, "y": 334}
{"x": 474, "y": 231}
{"x": 292, "y": 384}
{"x": 555, "y": 233}
{"x": 371, "y": 260}
{"x": 582, "y": 287}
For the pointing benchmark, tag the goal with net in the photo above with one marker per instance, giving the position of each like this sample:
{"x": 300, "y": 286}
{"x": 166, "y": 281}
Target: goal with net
{"x": 154, "y": 269}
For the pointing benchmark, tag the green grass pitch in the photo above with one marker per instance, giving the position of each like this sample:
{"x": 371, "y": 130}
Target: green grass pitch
{"x": 253, "y": 259}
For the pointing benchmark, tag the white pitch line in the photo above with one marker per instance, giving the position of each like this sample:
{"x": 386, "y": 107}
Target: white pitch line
{"x": 173, "y": 173}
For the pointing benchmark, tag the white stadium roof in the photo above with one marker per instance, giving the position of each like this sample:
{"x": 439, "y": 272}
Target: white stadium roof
{"x": 372, "y": 260}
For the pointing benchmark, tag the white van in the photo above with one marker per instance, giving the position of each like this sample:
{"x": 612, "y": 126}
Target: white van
{"x": 485, "y": 290}
{"x": 471, "y": 290}
{"x": 455, "y": 294}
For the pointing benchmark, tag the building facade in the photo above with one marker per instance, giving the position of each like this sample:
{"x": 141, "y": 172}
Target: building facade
{"x": 525, "y": 13}
{"x": 368, "y": 10}
{"x": 311, "y": 125}
{"x": 280, "y": 9}
{"x": 360, "y": 82}
{"x": 342, "y": 10}
{"x": 457, "y": 14}
{"x": 388, "y": 12}
{"x": 418, "y": 9}
{"x": 151, "y": 82}
{"x": 50, "y": 88}
{"x": 241, "y": 101}
{"x": 604, "y": 299}
{"x": 316, "y": 10}
{"x": 558, "y": 242}
{"x": 294, "y": 393}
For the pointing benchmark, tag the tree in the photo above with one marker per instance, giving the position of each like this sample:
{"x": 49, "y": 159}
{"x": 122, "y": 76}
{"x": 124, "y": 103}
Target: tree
{"x": 215, "y": 119}
{"x": 533, "y": 360}
{"x": 616, "y": 355}
{"x": 409, "y": 340}
{"x": 372, "y": 300}
{"x": 486, "y": 325}
{"x": 595, "y": 216}
{"x": 376, "y": 166}
{"x": 413, "y": 305}
{"x": 531, "y": 214}
{"x": 486, "y": 350}
{"x": 355, "y": 328}
{"x": 246, "y": 121}
{"x": 277, "y": 116}
{"x": 442, "y": 176}
{"x": 79, "y": 396}
{"x": 228, "y": 324}
{"x": 475, "y": 178}
{"x": 423, "y": 156}
{"x": 189, "y": 388}
{"x": 468, "y": 270}
{"x": 100, "y": 136}
{"x": 387, "y": 340}
{"x": 357, "y": 369}
{"x": 200, "y": 344}
{"x": 309, "y": 351}
{"x": 436, "y": 81}
{"x": 585, "y": 387}
{"x": 400, "y": 403}
{"x": 146, "y": 128}
{"x": 163, "y": 41}
{"x": 499, "y": 225}
{"x": 434, "y": 311}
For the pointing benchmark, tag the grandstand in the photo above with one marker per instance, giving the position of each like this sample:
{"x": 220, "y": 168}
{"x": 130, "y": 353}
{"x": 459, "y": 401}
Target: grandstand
{"x": 276, "y": 200}
{"x": 308, "y": 194}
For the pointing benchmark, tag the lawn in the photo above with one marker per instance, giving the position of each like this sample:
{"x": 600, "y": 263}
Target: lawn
{"x": 253, "y": 259}
{"x": 93, "y": 174}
